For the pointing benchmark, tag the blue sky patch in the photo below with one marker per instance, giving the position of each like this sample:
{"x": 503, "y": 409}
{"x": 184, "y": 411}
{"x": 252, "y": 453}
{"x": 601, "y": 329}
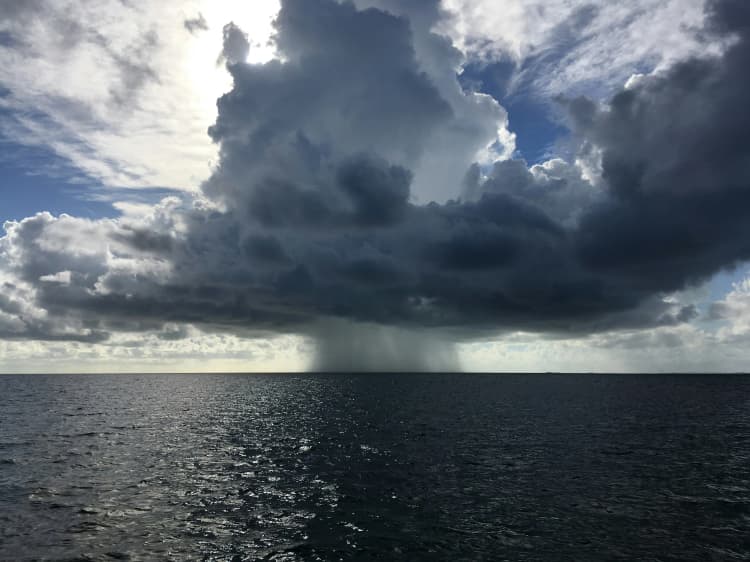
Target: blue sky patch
{"x": 537, "y": 128}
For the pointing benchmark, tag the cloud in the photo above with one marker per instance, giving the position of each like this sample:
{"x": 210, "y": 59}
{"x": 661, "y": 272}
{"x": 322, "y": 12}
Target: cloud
{"x": 733, "y": 311}
{"x": 118, "y": 89}
{"x": 572, "y": 47}
{"x": 673, "y": 154}
{"x": 684, "y": 348}
{"x": 196, "y": 24}
{"x": 555, "y": 187}
{"x": 157, "y": 352}
{"x": 236, "y": 47}
{"x": 307, "y": 220}
{"x": 478, "y": 129}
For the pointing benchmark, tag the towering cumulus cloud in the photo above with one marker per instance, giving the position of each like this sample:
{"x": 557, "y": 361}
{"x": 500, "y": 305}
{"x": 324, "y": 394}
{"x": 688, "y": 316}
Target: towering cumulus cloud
{"x": 318, "y": 218}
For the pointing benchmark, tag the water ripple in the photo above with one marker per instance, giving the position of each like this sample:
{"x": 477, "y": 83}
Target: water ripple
{"x": 374, "y": 467}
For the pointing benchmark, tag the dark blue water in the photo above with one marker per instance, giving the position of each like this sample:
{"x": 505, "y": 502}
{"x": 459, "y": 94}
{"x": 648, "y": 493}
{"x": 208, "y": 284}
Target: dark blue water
{"x": 453, "y": 467}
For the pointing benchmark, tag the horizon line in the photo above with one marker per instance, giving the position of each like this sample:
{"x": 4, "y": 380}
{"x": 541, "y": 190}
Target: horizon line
{"x": 353, "y": 372}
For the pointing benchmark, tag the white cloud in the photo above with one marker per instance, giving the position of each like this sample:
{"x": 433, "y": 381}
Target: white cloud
{"x": 197, "y": 352}
{"x": 62, "y": 277}
{"x": 578, "y": 45}
{"x": 734, "y": 311}
{"x": 684, "y": 348}
{"x": 122, "y": 90}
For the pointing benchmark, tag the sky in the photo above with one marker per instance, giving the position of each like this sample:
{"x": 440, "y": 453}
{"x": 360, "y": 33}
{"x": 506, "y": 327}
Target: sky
{"x": 479, "y": 185}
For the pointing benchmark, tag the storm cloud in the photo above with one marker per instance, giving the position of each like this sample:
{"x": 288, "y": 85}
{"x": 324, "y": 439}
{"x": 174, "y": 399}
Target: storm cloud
{"x": 310, "y": 219}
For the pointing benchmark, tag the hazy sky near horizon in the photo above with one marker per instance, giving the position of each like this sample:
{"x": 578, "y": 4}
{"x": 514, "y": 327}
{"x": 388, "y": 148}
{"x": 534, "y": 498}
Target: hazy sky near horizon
{"x": 257, "y": 185}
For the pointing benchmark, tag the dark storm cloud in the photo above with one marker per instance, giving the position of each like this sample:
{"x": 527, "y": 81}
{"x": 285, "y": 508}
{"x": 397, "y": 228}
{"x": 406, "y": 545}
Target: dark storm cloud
{"x": 196, "y": 24}
{"x": 308, "y": 215}
{"x": 675, "y": 157}
{"x": 364, "y": 192}
{"x": 144, "y": 240}
{"x": 236, "y": 45}
{"x": 350, "y": 85}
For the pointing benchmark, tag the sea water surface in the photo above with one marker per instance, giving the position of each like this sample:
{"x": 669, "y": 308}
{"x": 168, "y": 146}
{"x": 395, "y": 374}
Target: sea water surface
{"x": 374, "y": 467}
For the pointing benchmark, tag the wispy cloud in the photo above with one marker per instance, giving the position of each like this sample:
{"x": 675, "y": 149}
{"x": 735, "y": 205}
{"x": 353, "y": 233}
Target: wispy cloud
{"x": 124, "y": 91}
{"x": 578, "y": 46}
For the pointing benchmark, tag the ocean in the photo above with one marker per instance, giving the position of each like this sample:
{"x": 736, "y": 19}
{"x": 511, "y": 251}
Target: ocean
{"x": 375, "y": 467}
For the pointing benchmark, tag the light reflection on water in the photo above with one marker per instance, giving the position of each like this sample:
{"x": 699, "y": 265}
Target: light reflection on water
{"x": 224, "y": 467}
